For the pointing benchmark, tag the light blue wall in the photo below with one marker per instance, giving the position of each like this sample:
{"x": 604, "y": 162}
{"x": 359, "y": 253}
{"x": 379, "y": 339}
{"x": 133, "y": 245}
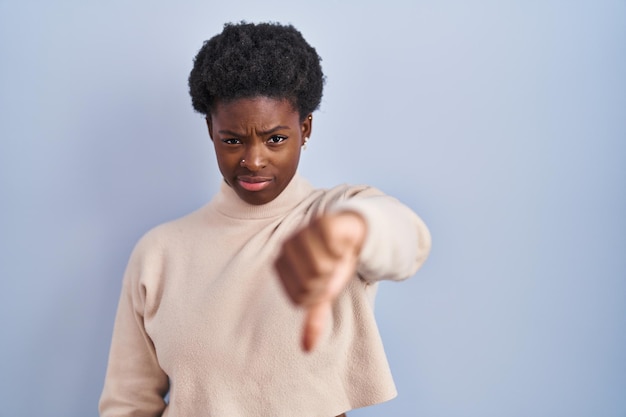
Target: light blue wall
{"x": 501, "y": 123}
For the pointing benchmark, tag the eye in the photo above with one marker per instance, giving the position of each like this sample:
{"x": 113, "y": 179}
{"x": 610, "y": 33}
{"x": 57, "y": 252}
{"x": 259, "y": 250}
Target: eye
{"x": 231, "y": 141}
{"x": 276, "y": 139}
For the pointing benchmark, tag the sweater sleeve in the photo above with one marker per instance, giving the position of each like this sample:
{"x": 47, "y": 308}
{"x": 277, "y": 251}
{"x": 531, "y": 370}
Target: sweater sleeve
{"x": 397, "y": 242}
{"x": 135, "y": 384}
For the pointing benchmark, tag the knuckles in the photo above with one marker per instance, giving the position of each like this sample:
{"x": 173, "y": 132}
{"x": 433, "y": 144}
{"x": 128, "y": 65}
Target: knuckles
{"x": 307, "y": 261}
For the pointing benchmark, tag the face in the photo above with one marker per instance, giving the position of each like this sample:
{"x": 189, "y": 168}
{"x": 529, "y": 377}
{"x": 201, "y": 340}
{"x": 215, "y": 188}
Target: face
{"x": 257, "y": 143}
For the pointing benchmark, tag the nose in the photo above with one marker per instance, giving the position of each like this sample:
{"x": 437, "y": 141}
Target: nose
{"x": 255, "y": 158}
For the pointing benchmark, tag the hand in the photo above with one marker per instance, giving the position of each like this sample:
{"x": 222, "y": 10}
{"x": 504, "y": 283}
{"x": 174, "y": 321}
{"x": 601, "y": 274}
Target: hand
{"x": 317, "y": 262}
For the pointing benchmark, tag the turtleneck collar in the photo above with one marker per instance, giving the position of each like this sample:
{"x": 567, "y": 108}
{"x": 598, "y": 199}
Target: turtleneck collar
{"x": 227, "y": 202}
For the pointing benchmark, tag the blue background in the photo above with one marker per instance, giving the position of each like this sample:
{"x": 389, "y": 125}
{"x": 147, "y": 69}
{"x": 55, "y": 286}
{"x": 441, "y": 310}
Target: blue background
{"x": 501, "y": 123}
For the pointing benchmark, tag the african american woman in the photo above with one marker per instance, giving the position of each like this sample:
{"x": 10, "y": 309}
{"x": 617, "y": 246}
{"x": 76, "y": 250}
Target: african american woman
{"x": 260, "y": 303}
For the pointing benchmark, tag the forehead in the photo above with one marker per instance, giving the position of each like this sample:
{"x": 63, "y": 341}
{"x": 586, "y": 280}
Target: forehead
{"x": 254, "y": 110}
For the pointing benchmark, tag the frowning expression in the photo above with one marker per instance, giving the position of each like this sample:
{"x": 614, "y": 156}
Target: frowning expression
{"x": 257, "y": 143}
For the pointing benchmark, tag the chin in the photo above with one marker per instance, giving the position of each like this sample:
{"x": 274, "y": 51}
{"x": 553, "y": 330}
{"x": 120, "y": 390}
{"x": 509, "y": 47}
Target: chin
{"x": 257, "y": 199}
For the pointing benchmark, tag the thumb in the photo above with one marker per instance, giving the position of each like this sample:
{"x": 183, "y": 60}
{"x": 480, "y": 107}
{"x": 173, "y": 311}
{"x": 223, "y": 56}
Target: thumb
{"x": 317, "y": 315}
{"x": 316, "y": 318}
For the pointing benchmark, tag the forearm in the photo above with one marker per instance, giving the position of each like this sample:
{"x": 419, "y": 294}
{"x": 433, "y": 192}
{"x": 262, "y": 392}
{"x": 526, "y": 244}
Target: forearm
{"x": 397, "y": 241}
{"x": 135, "y": 384}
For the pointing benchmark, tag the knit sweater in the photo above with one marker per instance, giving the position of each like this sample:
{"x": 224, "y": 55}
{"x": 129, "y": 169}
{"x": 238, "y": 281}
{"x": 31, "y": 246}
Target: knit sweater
{"x": 202, "y": 314}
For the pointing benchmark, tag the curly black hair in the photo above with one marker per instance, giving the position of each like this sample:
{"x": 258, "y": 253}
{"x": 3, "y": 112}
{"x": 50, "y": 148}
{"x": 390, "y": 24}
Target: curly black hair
{"x": 250, "y": 60}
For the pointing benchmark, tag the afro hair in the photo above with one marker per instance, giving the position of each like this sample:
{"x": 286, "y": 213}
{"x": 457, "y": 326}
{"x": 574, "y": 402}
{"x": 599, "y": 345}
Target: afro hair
{"x": 250, "y": 60}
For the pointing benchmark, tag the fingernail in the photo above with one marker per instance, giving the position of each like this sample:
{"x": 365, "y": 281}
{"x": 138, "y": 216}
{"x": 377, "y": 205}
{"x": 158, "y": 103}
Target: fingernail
{"x": 307, "y": 343}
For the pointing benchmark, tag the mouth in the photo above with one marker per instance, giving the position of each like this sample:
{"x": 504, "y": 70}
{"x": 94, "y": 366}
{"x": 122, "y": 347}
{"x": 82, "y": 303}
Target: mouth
{"x": 253, "y": 183}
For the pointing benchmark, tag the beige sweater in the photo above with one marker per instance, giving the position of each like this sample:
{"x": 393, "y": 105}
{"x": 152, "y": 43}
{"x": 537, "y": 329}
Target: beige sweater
{"x": 202, "y": 314}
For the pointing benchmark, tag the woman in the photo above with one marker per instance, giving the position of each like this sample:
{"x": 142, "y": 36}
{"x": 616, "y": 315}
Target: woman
{"x": 260, "y": 303}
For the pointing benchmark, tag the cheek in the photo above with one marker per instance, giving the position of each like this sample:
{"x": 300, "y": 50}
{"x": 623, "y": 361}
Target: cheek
{"x": 224, "y": 162}
{"x": 221, "y": 155}
{"x": 294, "y": 158}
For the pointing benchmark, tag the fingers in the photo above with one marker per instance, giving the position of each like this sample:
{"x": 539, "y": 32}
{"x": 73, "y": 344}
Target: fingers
{"x": 316, "y": 263}
{"x": 299, "y": 289}
{"x": 305, "y": 266}
{"x": 314, "y": 324}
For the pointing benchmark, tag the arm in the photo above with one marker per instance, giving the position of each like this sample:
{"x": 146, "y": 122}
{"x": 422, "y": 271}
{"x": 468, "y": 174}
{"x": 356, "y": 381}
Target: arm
{"x": 135, "y": 385}
{"x": 372, "y": 234}
{"x": 398, "y": 241}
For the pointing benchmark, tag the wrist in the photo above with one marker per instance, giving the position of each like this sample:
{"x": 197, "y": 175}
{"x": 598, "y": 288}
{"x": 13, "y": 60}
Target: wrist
{"x": 353, "y": 228}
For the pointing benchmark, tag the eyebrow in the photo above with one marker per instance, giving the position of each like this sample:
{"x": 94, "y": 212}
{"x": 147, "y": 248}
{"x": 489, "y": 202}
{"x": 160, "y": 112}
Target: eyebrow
{"x": 263, "y": 133}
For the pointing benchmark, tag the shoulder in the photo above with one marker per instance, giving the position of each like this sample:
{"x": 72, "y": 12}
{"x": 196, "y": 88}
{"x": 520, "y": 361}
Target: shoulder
{"x": 326, "y": 199}
{"x": 347, "y": 191}
{"x": 161, "y": 238}
{"x": 155, "y": 249}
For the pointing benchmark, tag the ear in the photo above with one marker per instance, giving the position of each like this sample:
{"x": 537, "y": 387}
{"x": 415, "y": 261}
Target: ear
{"x": 307, "y": 127}
{"x": 209, "y": 125}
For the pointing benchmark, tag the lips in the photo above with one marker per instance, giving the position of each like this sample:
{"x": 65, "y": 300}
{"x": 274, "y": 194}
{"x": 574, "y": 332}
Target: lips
{"x": 253, "y": 183}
